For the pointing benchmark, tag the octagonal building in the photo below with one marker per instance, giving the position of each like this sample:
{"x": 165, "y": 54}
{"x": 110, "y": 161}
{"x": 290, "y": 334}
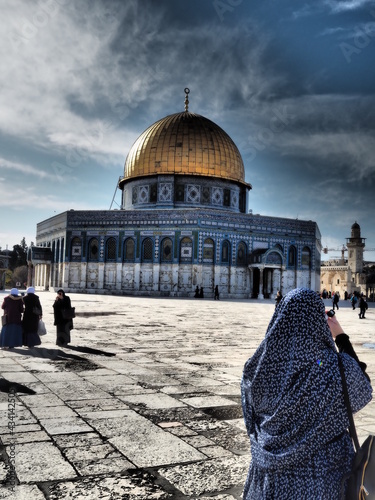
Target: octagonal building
{"x": 183, "y": 225}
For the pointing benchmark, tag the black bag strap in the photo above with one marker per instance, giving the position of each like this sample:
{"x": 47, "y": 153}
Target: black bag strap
{"x": 353, "y": 432}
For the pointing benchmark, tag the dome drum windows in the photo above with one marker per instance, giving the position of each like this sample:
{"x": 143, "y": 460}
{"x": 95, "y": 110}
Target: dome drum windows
{"x": 217, "y": 196}
{"x": 135, "y": 195}
{"x": 206, "y": 195}
{"x": 154, "y": 193}
{"x": 165, "y": 192}
{"x": 193, "y": 194}
{"x": 226, "y": 197}
{"x": 180, "y": 192}
{"x": 143, "y": 194}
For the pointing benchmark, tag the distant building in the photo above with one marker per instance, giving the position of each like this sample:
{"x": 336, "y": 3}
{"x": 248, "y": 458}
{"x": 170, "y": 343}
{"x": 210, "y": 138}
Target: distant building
{"x": 183, "y": 224}
{"x": 340, "y": 275}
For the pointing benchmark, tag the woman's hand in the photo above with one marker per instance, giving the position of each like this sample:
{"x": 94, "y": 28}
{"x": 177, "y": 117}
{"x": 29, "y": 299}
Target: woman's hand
{"x": 335, "y": 327}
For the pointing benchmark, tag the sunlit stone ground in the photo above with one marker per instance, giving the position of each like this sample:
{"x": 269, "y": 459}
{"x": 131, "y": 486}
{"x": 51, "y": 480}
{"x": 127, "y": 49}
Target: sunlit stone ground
{"x": 145, "y": 404}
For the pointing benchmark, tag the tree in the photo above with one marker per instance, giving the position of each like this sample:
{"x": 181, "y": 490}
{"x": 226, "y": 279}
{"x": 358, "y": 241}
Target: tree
{"x": 19, "y": 277}
{"x": 18, "y": 256}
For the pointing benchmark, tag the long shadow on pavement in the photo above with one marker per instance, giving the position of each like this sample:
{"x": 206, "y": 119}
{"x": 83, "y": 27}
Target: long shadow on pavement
{"x": 89, "y": 350}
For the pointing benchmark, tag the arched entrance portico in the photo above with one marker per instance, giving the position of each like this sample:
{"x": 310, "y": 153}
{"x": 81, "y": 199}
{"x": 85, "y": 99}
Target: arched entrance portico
{"x": 266, "y": 270}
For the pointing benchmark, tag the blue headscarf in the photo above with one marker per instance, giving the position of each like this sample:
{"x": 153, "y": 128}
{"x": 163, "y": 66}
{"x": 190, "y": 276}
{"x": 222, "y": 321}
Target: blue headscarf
{"x": 291, "y": 388}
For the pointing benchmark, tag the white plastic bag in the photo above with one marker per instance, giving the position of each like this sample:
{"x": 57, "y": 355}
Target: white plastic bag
{"x": 41, "y": 328}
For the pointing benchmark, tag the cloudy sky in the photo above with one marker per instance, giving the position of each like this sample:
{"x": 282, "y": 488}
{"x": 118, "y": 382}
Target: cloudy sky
{"x": 291, "y": 82}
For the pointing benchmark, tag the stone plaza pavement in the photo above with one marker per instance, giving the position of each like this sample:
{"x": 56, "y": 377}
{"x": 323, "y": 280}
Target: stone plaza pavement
{"x": 145, "y": 403}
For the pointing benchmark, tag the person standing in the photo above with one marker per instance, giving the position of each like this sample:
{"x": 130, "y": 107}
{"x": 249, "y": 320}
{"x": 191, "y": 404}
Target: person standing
{"x": 216, "y": 293}
{"x": 278, "y": 298}
{"x": 32, "y": 315}
{"x": 63, "y": 326}
{"x": 362, "y": 307}
{"x": 293, "y": 403}
{"x": 11, "y": 332}
{"x": 335, "y": 300}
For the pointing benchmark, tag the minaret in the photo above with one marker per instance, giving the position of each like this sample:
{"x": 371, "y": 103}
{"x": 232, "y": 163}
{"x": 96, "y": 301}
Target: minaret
{"x": 355, "y": 246}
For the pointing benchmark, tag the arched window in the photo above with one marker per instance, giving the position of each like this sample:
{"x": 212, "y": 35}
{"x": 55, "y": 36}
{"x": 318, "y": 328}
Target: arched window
{"x": 93, "y": 253}
{"x": 306, "y": 257}
{"x": 147, "y": 250}
{"x": 186, "y": 250}
{"x": 274, "y": 258}
{"x": 241, "y": 254}
{"x": 166, "y": 250}
{"x": 292, "y": 256}
{"x": 208, "y": 250}
{"x": 76, "y": 249}
{"x": 129, "y": 248}
{"x": 225, "y": 252}
{"x": 110, "y": 249}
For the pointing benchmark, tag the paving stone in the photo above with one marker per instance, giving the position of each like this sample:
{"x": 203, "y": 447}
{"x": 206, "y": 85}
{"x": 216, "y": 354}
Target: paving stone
{"x": 197, "y": 441}
{"x": 25, "y": 437}
{"x": 182, "y": 431}
{"x": 207, "y": 401}
{"x": 180, "y": 389}
{"x": 111, "y": 488}
{"x": 56, "y": 376}
{"x": 75, "y": 440}
{"x": 19, "y": 377}
{"x": 64, "y": 425}
{"x": 76, "y": 390}
{"x": 19, "y": 429}
{"x": 48, "y": 412}
{"x": 215, "y": 451}
{"x": 85, "y": 406}
{"x": 107, "y": 466}
{"x": 208, "y": 476}
{"x": 143, "y": 443}
{"x": 107, "y": 414}
{"x": 37, "y": 400}
{"x": 22, "y": 492}
{"x": 154, "y": 401}
{"x": 109, "y": 382}
{"x": 41, "y": 462}
{"x": 90, "y": 452}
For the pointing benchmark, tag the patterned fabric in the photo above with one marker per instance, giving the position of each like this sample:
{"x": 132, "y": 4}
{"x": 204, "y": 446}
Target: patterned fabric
{"x": 294, "y": 408}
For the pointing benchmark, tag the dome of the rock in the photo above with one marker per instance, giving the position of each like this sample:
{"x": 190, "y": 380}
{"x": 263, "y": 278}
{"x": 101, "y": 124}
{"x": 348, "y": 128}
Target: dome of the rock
{"x": 184, "y": 144}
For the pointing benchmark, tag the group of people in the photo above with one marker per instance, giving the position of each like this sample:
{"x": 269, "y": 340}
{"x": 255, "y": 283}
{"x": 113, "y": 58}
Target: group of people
{"x": 22, "y": 315}
{"x": 21, "y": 319}
{"x": 199, "y": 294}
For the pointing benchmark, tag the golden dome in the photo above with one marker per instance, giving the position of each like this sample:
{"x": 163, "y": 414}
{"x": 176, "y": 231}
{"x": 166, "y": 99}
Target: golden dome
{"x": 184, "y": 144}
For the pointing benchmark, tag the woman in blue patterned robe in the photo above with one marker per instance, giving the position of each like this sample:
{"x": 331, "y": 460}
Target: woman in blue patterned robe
{"x": 293, "y": 404}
